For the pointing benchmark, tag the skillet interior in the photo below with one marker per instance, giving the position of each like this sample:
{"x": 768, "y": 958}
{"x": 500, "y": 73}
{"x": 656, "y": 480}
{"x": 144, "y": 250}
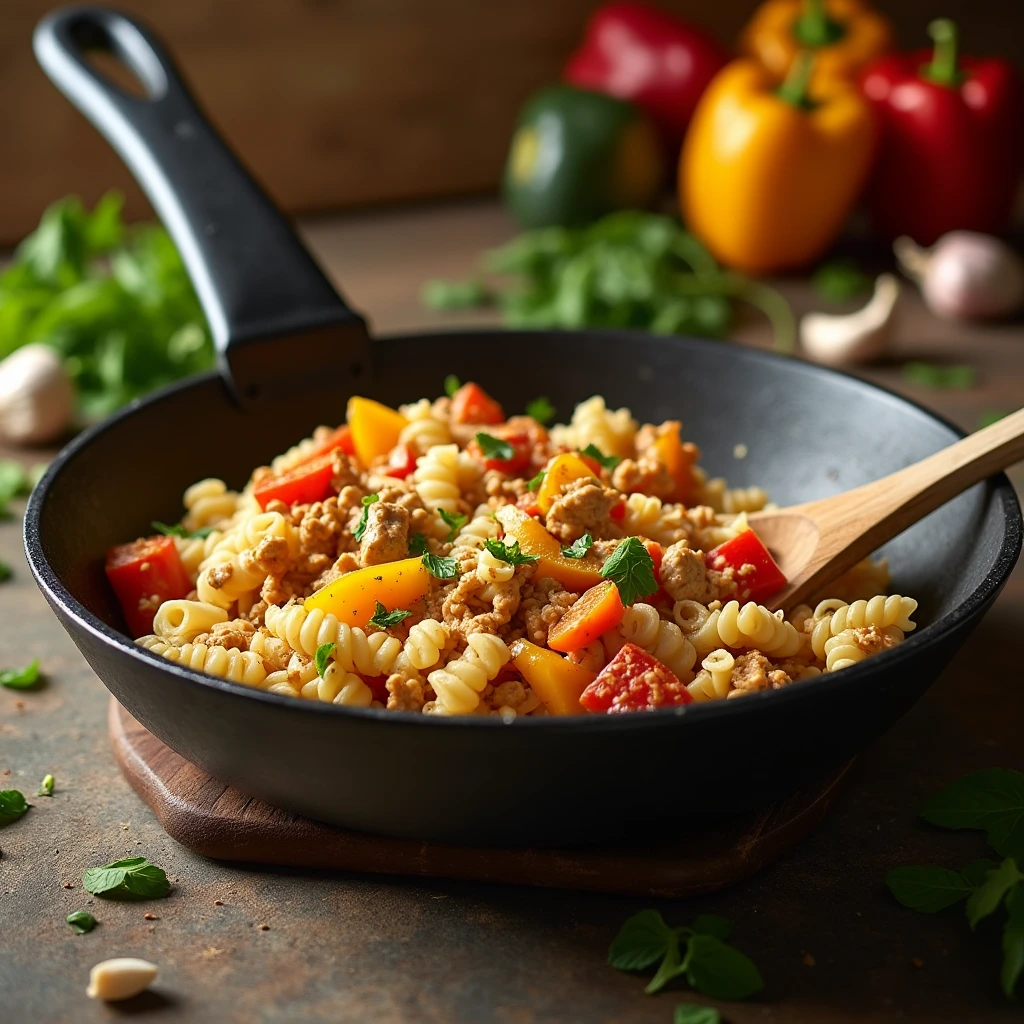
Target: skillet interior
{"x": 809, "y": 433}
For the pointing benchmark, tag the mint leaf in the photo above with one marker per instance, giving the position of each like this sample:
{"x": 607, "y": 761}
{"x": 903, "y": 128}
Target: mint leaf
{"x": 417, "y": 543}
{"x": 494, "y": 447}
{"x": 1013, "y": 941}
{"x": 536, "y": 481}
{"x": 455, "y": 521}
{"x": 641, "y": 941}
{"x": 46, "y": 786}
{"x": 383, "y": 619}
{"x": 631, "y": 568}
{"x": 691, "y": 1013}
{"x": 927, "y": 888}
{"x": 21, "y": 678}
{"x": 509, "y": 552}
{"x": 720, "y": 971}
{"x": 840, "y": 280}
{"x": 131, "y": 879}
{"x": 977, "y": 871}
{"x": 595, "y": 453}
{"x": 579, "y": 548}
{"x": 710, "y": 924}
{"x": 669, "y": 968}
{"x": 81, "y": 921}
{"x": 987, "y": 897}
{"x": 540, "y": 409}
{"x": 364, "y": 519}
{"x": 323, "y": 657}
{"x": 12, "y": 806}
{"x": 440, "y": 566}
{"x": 992, "y": 800}
{"x": 451, "y": 384}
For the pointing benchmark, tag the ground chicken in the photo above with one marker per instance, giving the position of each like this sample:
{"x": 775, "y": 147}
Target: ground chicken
{"x": 386, "y": 538}
{"x": 345, "y": 472}
{"x": 321, "y": 527}
{"x": 542, "y": 607}
{"x": 346, "y": 562}
{"x": 405, "y": 693}
{"x": 871, "y": 639}
{"x": 754, "y": 672}
{"x": 643, "y": 476}
{"x": 234, "y": 635}
{"x": 684, "y": 576}
{"x": 583, "y": 507}
{"x": 271, "y": 555}
{"x": 509, "y": 694}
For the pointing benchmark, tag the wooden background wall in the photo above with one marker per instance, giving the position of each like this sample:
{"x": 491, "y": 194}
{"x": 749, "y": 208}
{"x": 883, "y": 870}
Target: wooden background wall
{"x": 337, "y": 103}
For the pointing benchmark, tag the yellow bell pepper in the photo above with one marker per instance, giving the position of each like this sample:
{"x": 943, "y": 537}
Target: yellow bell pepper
{"x": 845, "y": 35}
{"x": 354, "y": 596}
{"x": 375, "y": 428}
{"x": 769, "y": 172}
{"x": 557, "y": 681}
{"x": 573, "y": 573}
{"x": 563, "y": 469}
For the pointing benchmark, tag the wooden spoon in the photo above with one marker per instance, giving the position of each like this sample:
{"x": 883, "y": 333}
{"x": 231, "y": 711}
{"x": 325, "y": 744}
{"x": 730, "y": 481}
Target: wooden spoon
{"x": 815, "y": 542}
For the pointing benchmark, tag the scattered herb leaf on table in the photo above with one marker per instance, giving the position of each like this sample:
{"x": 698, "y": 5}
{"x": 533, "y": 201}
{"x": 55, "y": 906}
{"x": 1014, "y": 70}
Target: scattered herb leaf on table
{"x": 131, "y": 879}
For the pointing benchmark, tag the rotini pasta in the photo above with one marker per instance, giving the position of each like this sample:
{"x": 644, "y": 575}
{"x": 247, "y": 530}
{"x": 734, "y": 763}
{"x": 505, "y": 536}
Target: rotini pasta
{"x": 424, "y": 430}
{"x": 236, "y": 666}
{"x": 459, "y": 684}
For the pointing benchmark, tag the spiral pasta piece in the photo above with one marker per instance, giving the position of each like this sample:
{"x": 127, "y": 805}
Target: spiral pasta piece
{"x": 193, "y": 551}
{"x": 647, "y": 516}
{"x": 236, "y": 666}
{"x": 459, "y": 684}
{"x": 208, "y": 503}
{"x": 643, "y": 626}
{"x": 752, "y": 625}
{"x": 720, "y": 664}
{"x": 480, "y": 529}
{"x": 611, "y": 430}
{"x": 880, "y": 611}
{"x": 229, "y": 578}
{"x": 423, "y": 648}
{"x": 424, "y": 430}
{"x": 338, "y": 687}
{"x": 181, "y": 620}
{"x": 490, "y": 569}
{"x": 842, "y": 651}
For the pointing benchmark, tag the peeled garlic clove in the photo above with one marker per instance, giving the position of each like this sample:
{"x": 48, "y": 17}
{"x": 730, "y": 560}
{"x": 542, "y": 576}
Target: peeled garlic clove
{"x": 37, "y": 398}
{"x": 851, "y": 338}
{"x": 965, "y": 275}
{"x": 120, "y": 978}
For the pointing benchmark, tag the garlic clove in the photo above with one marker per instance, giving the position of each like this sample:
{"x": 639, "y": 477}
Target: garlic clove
{"x": 850, "y": 338}
{"x": 37, "y": 398}
{"x": 120, "y": 978}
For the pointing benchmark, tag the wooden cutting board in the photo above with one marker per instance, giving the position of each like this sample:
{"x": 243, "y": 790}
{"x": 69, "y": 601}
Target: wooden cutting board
{"x": 215, "y": 820}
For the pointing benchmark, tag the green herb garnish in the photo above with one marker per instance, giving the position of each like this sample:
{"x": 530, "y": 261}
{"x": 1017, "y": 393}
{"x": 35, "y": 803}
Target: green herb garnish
{"x": 46, "y": 786}
{"x": 991, "y": 800}
{"x": 535, "y": 483}
{"x": 417, "y": 543}
{"x": 579, "y": 548}
{"x": 21, "y": 678}
{"x": 455, "y": 521}
{"x": 494, "y": 447}
{"x": 131, "y": 879}
{"x": 5, "y": 572}
{"x": 608, "y": 461}
{"x": 440, "y": 566}
{"x": 699, "y": 952}
{"x": 177, "y": 530}
{"x": 12, "y": 805}
{"x": 469, "y": 294}
{"x": 364, "y": 519}
{"x": 323, "y": 657}
{"x": 451, "y": 384}
{"x": 939, "y": 378}
{"x": 81, "y": 921}
{"x": 692, "y": 1013}
{"x": 383, "y": 619}
{"x": 840, "y": 281}
{"x": 509, "y": 552}
{"x": 540, "y": 409}
{"x": 631, "y": 568}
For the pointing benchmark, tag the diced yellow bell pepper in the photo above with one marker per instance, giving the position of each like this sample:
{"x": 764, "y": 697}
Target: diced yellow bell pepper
{"x": 678, "y": 459}
{"x": 572, "y": 573}
{"x": 565, "y": 468}
{"x": 375, "y": 428}
{"x": 353, "y": 598}
{"x": 557, "y": 681}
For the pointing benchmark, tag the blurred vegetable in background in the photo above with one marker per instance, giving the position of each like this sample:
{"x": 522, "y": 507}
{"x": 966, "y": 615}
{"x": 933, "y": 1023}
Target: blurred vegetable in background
{"x": 847, "y": 339}
{"x": 629, "y": 270}
{"x": 844, "y": 36}
{"x": 769, "y": 172}
{"x": 645, "y": 55}
{"x": 115, "y": 302}
{"x": 952, "y": 140}
{"x": 577, "y": 155}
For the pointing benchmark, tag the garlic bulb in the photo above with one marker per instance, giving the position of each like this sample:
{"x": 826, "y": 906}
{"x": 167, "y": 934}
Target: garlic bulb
{"x": 965, "y": 275}
{"x": 850, "y": 338}
{"x": 37, "y": 398}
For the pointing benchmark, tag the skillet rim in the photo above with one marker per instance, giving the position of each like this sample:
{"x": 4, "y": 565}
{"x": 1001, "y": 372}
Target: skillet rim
{"x": 49, "y": 582}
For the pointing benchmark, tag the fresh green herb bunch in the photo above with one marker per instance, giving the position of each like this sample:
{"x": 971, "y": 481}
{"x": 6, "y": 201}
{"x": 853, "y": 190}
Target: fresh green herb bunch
{"x": 116, "y": 302}
{"x": 629, "y": 269}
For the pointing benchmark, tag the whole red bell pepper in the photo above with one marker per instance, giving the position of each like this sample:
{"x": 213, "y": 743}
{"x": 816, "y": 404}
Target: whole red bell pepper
{"x": 644, "y": 55}
{"x": 951, "y": 151}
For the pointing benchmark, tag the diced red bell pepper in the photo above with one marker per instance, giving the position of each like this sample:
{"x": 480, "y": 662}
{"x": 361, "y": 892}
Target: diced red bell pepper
{"x": 341, "y": 438}
{"x": 144, "y": 574}
{"x": 634, "y": 681}
{"x": 618, "y": 512}
{"x": 401, "y": 462}
{"x": 471, "y": 404}
{"x": 303, "y": 484}
{"x": 763, "y": 580}
{"x": 378, "y": 687}
{"x": 591, "y": 463}
{"x": 522, "y": 451}
{"x": 528, "y": 503}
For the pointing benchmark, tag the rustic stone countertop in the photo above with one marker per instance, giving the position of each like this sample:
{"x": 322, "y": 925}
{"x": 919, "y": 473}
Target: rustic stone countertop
{"x": 831, "y": 943}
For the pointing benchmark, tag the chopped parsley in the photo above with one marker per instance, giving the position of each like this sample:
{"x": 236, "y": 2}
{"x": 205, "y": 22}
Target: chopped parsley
{"x": 509, "y": 552}
{"x": 540, "y": 409}
{"x": 417, "y": 543}
{"x": 383, "y": 619}
{"x": 323, "y": 656}
{"x": 364, "y": 519}
{"x": 21, "y": 678}
{"x": 440, "y": 567}
{"x": 46, "y": 787}
{"x": 177, "y": 530}
{"x": 595, "y": 453}
{"x": 579, "y": 548}
{"x": 81, "y": 921}
{"x": 131, "y": 879}
{"x": 494, "y": 447}
{"x": 451, "y": 384}
{"x": 631, "y": 569}
{"x": 455, "y": 521}
{"x": 535, "y": 483}
{"x": 12, "y": 805}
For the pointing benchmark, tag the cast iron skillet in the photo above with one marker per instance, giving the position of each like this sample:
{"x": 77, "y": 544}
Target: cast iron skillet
{"x": 291, "y": 353}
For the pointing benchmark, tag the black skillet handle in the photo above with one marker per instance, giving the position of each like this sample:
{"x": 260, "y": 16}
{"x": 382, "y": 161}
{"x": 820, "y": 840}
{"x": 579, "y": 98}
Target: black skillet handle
{"x": 278, "y": 324}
